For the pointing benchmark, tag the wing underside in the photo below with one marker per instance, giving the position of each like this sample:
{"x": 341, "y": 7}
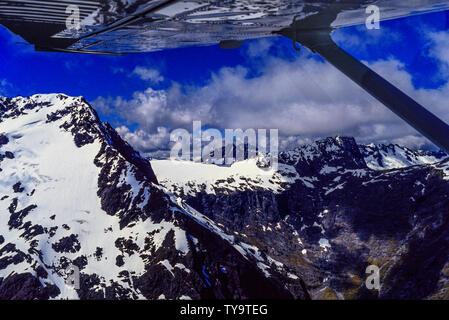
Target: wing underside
{"x": 129, "y": 26}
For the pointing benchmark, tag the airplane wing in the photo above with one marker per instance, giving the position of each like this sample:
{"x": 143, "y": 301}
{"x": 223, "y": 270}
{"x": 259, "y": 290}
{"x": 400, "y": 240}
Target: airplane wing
{"x": 131, "y": 26}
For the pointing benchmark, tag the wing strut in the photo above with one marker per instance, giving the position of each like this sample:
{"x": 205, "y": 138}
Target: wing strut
{"x": 320, "y": 41}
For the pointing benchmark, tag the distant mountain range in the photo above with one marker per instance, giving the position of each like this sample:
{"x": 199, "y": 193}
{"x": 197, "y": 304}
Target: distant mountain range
{"x": 331, "y": 209}
{"x": 73, "y": 193}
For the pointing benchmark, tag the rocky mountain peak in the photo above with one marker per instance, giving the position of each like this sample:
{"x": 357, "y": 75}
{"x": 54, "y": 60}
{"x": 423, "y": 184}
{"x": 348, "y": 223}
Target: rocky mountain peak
{"x": 338, "y": 152}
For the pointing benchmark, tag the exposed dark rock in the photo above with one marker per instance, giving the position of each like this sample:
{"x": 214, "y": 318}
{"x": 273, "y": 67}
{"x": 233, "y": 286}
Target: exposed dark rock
{"x": 67, "y": 244}
{"x": 80, "y": 262}
{"x": 119, "y": 261}
{"x": 16, "y": 218}
{"x": 18, "y": 187}
{"x": 25, "y": 286}
{"x": 3, "y": 140}
{"x": 9, "y": 155}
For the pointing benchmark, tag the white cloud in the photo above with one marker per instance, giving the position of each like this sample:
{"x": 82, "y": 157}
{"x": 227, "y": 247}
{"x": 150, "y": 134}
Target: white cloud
{"x": 6, "y": 88}
{"x": 145, "y": 141}
{"x": 152, "y": 75}
{"x": 259, "y": 48}
{"x": 363, "y": 39}
{"x": 440, "y": 47}
{"x": 439, "y": 50}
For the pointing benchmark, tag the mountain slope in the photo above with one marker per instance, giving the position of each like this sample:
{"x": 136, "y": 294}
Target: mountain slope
{"x": 73, "y": 193}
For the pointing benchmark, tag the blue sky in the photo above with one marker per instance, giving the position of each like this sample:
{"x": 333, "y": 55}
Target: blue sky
{"x": 265, "y": 83}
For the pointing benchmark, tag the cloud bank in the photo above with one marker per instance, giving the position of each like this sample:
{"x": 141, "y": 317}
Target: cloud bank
{"x": 305, "y": 98}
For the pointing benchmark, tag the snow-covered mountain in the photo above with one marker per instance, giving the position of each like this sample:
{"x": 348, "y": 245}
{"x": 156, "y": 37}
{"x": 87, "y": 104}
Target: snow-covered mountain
{"x": 333, "y": 208}
{"x": 73, "y": 193}
{"x": 188, "y": 177}
{"x": 331, "y": 155}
